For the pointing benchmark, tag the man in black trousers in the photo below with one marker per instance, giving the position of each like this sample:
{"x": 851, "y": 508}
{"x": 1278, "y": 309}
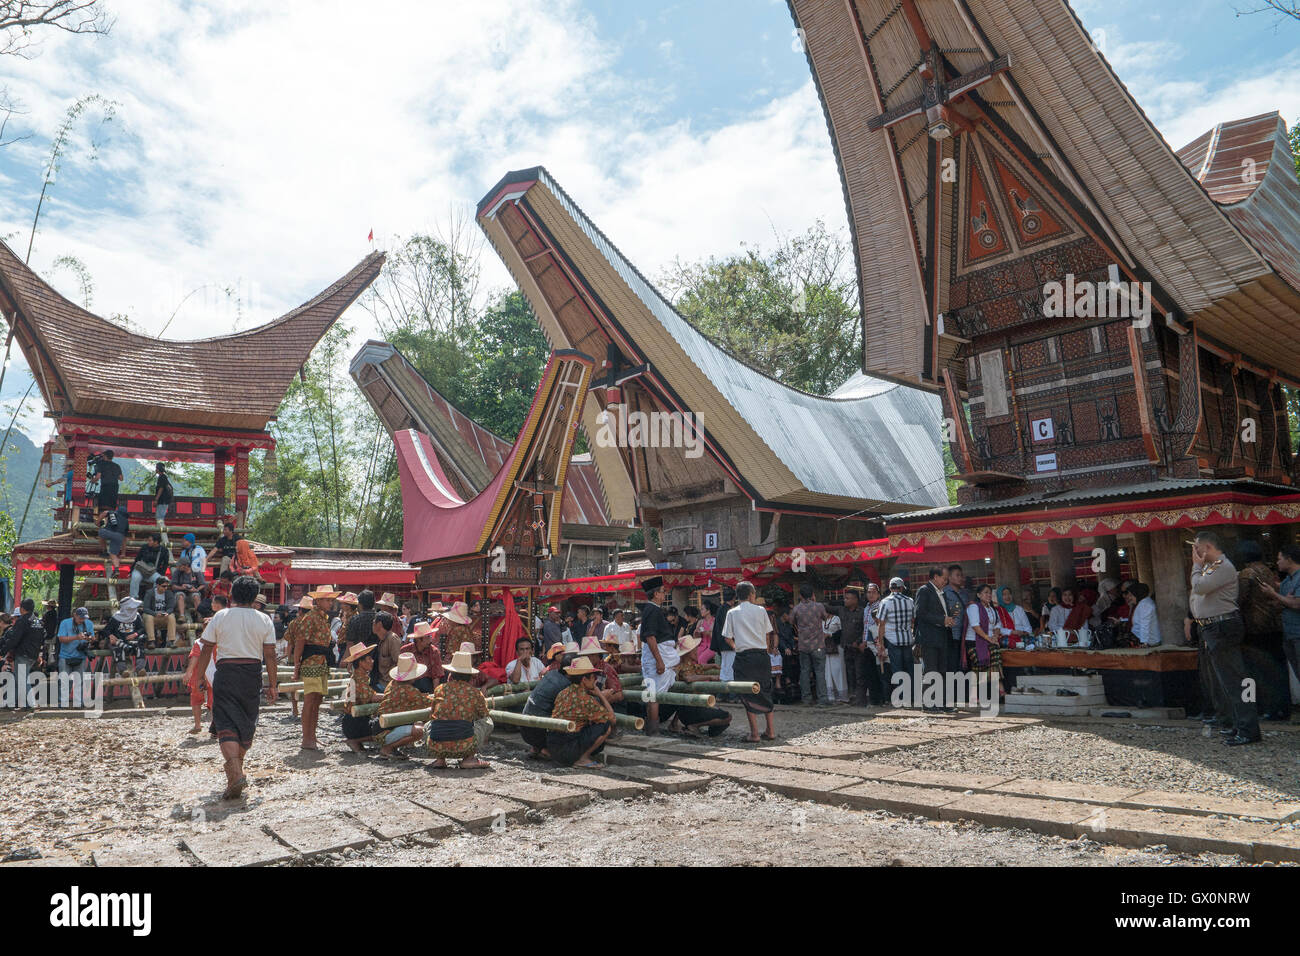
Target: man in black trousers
{"x": 934, "y": 631}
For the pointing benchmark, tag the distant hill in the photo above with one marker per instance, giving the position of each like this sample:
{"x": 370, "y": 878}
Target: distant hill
{"x": 18, "y": 467}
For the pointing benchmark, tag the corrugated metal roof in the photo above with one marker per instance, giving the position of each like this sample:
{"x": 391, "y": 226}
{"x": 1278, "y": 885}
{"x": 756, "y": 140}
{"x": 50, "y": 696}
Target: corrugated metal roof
{"x": 1162, "y": 486}
{"x": 879, "y": 443}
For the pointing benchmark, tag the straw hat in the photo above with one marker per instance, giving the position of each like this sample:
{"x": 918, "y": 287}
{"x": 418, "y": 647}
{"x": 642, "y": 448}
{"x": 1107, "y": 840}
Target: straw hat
{"x": 260, "y": 599}
{"x": 467, "y": 647}
{"x": 408, "y": 668}
{"x": 306, "y": 603}
{"x": 459, "y": 613}
{"x": 437, "y": 607}
{"x": 687, "y": 644}
{"x": 357, "y": 651}
{"x": 321, "y": 594}
{"x": 422, "y": 629}
{"x": 627, "y": 647}
{"x": 609, "y": 638}
{"x": 554, "y": 651}
{"x": 591, "y": 646}
{"x": 388, "y": 600}
{"x": 571, "y": 647}
{"x": 580, "y": 667}
{"x": 462, "y": 662}
{"x": 349, "y": 598}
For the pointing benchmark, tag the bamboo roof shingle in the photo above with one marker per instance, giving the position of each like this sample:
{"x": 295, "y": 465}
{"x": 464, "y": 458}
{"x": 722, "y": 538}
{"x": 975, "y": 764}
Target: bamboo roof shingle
{"x": 86, "y": 365}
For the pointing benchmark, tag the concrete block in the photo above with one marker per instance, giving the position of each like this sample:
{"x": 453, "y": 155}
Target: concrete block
{"x": 1054, "y": 817}
{"x": 158, "y": 853}
{"x": 950, "y": 781}
{"x": 470, "y": 809}
{"x": 237, "y": 846}
{"x": 403, "y": 820}
{"x": 327, "y": 833}
{"x": 536, "y": 795}
{"x": 1180, "y": 832}
{"x": 662, "y": 780}
{"x": 606, "y": 787}
{"x": 895, "y": 798}
{"x": 1066, "y": 790}
{"x": 1200, "y": 803}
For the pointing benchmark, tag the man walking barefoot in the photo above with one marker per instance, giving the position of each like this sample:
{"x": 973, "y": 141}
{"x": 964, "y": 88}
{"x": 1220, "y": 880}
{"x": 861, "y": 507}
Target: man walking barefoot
{"x": 242, "y": 639}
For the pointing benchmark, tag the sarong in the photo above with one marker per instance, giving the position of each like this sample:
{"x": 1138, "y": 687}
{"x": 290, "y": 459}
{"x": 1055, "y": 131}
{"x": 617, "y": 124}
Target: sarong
{"x": 662, "y": 682}
{"x": 450, "y": 738}
{"x": 754, "y": 665}
{"x": 236, "y": 691}
{"x": 566, "y": 749}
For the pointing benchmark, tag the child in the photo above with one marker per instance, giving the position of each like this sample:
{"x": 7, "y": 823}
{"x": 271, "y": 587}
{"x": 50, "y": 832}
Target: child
{"x": 200, "y": 685}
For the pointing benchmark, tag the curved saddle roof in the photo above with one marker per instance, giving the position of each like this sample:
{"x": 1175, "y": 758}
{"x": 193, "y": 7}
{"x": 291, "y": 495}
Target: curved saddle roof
{"x": 86, "y": 365}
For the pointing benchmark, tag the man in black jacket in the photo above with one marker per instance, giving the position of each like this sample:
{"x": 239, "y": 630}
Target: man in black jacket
{"x": 934, "y": 630}
{"x": 658, "y": 647}
{"x": 23, "y": 641}
{"x": 151, "y": 563}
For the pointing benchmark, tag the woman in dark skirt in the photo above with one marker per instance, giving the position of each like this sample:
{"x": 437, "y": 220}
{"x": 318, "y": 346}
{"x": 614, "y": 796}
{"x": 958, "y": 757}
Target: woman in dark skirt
{"x": 358, "y": 730}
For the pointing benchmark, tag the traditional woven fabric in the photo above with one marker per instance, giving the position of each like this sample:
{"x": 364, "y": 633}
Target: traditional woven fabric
{"x": 456, "y": 701}
{"x": 575, "y": 704}
{"x": 402, "y": 696}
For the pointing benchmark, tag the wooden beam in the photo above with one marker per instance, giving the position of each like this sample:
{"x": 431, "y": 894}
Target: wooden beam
{"x": 919, "y": 30}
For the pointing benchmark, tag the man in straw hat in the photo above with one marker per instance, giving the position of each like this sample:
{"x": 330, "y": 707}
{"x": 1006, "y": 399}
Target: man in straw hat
{"x": 400, "y": 696}
{"x": 311, "y": 661}
{"x": 242, "y": 639}
{"x": 422, "y": 646}
{"x": 459, "y": 712}
{"x": 304, "y": 605}
{"x": 454, "y": 630}
{"x": 607, "y": 682}
{"x": 713, "y": 720}
{"x": 749, "y": 630}
{"x": 357, "y": 730}
{"x": 658, "y": 649}
{"x": 592, "y": 716}
{"x": 542, "y": 698}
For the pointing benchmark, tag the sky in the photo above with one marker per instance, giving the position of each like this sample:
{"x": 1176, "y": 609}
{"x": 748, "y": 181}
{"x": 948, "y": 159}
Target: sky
{"x": 253, "y": 146}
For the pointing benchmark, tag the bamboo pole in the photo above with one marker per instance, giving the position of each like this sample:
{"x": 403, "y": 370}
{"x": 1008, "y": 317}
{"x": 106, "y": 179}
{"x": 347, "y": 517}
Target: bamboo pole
{"x": 403, "y": 717}
{"x": 357, "y": 710}
{"x": 528, "y": 720}
{"x": 632, "y": 723}
{"x": 501, "y": 690}
{"x": 682, "y": 700}
{"x": 142, "y": 679}
{"x": 299, "y": 685}
{"x": 510, "y": 700}
{"x": 715, "y": 687}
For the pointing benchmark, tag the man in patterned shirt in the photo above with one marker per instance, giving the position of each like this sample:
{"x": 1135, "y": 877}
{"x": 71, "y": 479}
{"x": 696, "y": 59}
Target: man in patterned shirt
{"x": 714, "y": 720}
{"x": 590, "y": 712}
{"x": 311, "y": 661}
{"x": 807, "y": 617}
{"x": 401, "y": 695}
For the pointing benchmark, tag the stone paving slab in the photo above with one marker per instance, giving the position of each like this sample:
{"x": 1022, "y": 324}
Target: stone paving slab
{"x": 59, "y": 861}
{"x": 819, "y": 750}
{"x": 143, "y": 854}
{"x": 801, "y": 784}
{"x": 469, "y": 808}
{"x": 403, "y": 820}
{"x": 772, "y": 758}
{"x": 891, "y": 741}
{"x": 952, "y": 781}
{"x": 237, "y": 846}
{"x": 537, "y": 795}
{"x": 1205, "y": 804}
{"x": 662, "y": 779}
{"x": 323, "y": 834}
{"x": 1055, "y": 817}
{"x": 1179, "y": 832}
{"x": 605, "y": 787}
{"x": 1279, "y": 846}
{"x": 895, "y": 798}
{"x": 1066, "y": 790}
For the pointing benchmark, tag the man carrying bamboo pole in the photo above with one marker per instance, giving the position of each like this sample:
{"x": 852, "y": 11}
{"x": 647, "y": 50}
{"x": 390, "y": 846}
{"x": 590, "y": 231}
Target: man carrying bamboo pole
{"x": 236, "y": 635}
{"x": 658, "y": 649}
{"x": 590, "y": 712}
{"x": 311, "y": 662}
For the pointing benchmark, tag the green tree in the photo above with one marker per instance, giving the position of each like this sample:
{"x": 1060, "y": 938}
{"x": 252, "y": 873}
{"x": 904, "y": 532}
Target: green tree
{"x": 791, "y": 312}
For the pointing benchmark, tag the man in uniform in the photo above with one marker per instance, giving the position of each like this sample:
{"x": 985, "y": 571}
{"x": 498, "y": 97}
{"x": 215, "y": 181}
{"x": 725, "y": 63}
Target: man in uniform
{"x": 1213, "y": 606}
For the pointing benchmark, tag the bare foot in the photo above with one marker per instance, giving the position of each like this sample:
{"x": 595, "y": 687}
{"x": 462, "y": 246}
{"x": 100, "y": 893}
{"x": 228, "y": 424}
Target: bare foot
{"x": 476, "y": 765}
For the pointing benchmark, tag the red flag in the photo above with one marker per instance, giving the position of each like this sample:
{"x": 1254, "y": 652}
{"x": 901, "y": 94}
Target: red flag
{"x": 371, "y": 237}
{"x": 511, "y": 631}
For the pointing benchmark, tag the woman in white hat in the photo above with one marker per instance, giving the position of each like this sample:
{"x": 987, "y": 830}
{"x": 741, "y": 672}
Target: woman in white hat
{"x": 400, "y": 696}
{"x": 457, "y": 705}
{"x": 125, "y": 633}
{"x": 357, "y": 730}
{"x": 590, "y": 712}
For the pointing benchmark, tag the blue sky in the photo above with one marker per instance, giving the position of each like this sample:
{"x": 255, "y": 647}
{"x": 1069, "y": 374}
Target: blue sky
{"x": 255, "y": 145}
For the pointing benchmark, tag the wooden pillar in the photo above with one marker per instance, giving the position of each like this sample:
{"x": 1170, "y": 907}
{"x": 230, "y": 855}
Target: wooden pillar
{"x": 219, "y": 479}
{"x": 80, "y": 453}
{"x": 1060, "y": 560}
{"x": 1109, "y": 545}
{"x": 1006, "y": 567}
{"x": 1142, "y": 566}
{"x": 67, "y": 581}
{"x": 18, "y": 587}
{"x": 1171, "y": 570}
{"x": 241, "y": 486}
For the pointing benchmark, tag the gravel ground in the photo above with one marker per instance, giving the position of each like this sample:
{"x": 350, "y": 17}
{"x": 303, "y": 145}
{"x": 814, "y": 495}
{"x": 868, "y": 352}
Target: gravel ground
{"x": 70, "y": 786}
{"x": 1113, "y": 752}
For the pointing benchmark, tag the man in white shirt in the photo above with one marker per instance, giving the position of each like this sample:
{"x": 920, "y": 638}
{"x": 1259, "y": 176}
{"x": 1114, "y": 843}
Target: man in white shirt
{"x": 748, "y": 631}
{"x": 241, "y": 638}
{"x": 617, "y": 630}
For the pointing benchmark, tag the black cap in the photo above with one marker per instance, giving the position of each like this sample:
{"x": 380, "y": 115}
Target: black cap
{"x": 651, "y": 585}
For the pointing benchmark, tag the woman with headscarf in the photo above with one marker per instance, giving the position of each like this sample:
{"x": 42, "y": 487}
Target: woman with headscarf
{"x": 980, "y": 641}
{"x": 1015, "y": 622}
{"x": 245, "y": 561}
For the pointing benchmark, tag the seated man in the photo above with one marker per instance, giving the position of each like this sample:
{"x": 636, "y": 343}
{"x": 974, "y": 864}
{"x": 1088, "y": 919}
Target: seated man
{"x": 150, "y": 563}
{"x": 458, "y": 710}
{"x": 160, "y": 607}
{"x": 591, "y": 714}
{"x": 422, "y": 646}
{"x": 400, "y": 696}
{"x": 714, "y": 720}
{"x": 525, "y": 667}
